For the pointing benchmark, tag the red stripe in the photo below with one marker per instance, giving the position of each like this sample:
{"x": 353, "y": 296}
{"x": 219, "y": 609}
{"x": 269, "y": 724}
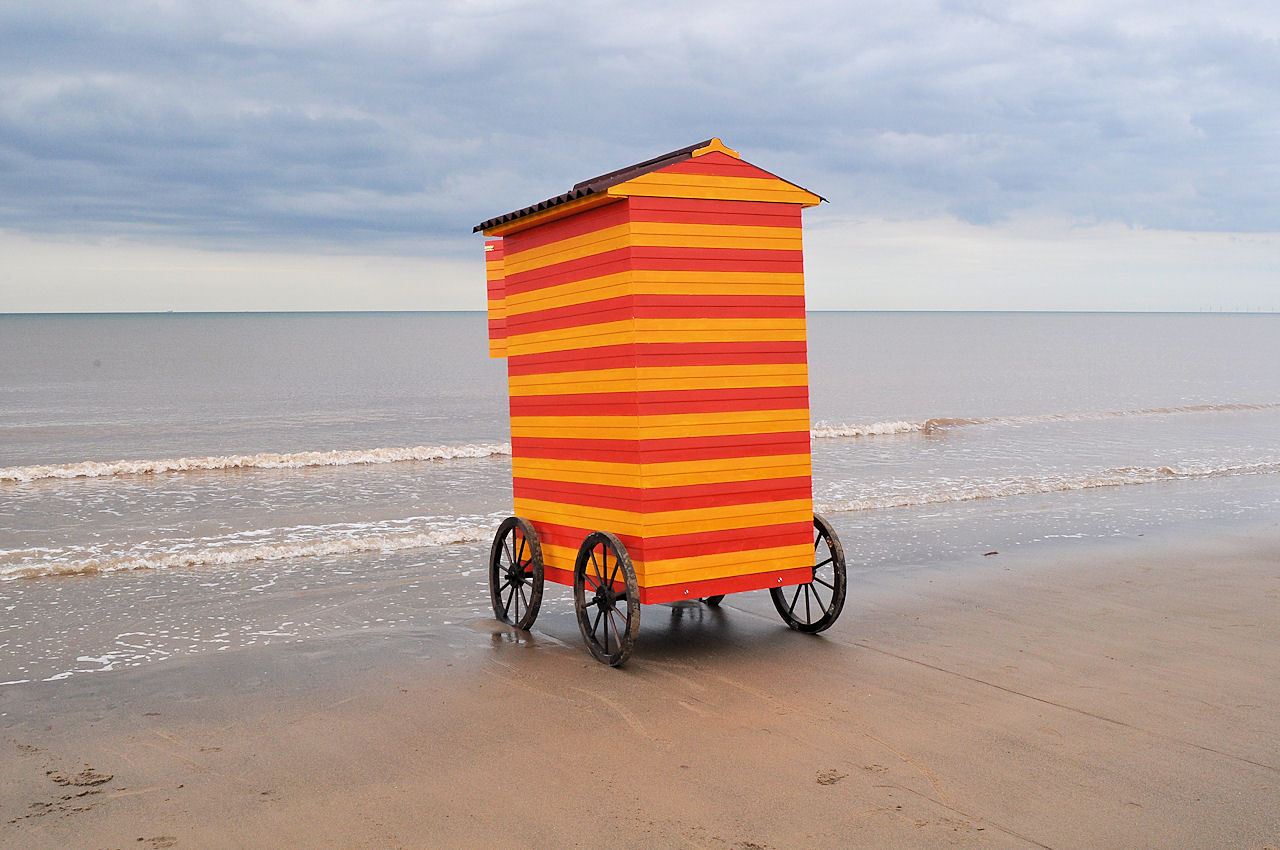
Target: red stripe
{"x": 657, "y": 258}
{"x": 686, "y": 545}
{"x": 595, "y": 265}
{"x": 658, "y": 354}
{"x": 660, "y": 307}
{"x": 580, "y": 224}
{"x": 653, "y": 499}
{"x": 717, "y": 586}
{"x": 663, "y": 450}
{"x": 699, "y": 211}
{"x": 718, "y": 165}
{"x": 645, "y": 253}
{"x": 738, "y": 260}
{"x": 659, "y": 402}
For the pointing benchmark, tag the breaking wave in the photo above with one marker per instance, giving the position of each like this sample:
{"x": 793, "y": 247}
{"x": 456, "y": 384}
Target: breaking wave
{"x": 823, "y": 430}
{"x": 298, "y": 460}
{"x": 265, "y": 460}
{"x": 250, "y": 546}
{"x": 997, "y": 488}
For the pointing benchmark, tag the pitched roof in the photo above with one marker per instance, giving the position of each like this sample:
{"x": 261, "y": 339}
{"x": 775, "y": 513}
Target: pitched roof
{"x": 597, "y": 184}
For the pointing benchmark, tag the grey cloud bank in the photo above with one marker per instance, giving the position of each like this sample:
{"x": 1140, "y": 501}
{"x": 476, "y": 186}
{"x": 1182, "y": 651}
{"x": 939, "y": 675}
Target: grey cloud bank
{"x": 391, "y": 127}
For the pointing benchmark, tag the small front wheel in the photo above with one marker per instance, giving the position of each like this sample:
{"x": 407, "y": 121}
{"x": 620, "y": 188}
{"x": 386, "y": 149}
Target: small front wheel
{"x": 515, "y": 573}
{"x": 814, "y": 606}
{"x": 606, "y": 597}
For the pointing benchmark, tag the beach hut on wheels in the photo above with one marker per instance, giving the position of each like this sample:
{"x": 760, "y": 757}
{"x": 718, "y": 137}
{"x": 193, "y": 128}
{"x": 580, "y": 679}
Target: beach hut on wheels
{"x": 653, "y": 323}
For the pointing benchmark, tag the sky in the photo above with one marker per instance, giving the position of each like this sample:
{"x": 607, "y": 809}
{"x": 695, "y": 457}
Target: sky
{"x": 289, "y": 155}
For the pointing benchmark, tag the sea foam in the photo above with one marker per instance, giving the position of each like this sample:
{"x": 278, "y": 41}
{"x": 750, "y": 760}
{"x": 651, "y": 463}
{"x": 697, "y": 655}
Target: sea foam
{"x": 997, "y": 488}
{"x": 264, "y": 460}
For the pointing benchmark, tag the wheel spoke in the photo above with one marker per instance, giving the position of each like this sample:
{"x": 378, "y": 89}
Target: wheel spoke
{"x": 796, "y": 596}
{"x": 606, "y": 631}
{"x": 506, "y": 606}
{"x": 830, "y": 587}
{"x": 520, "y": 551}
{"x": 823, "y": 563}
{"x": 506, "y": 547}
{"x": 599, "y": 572}
{"x": 817, "y": 597}
{"x": 596, "y": 624}
{"x": 808, "y": 616}
{"x": 523, "y": 599}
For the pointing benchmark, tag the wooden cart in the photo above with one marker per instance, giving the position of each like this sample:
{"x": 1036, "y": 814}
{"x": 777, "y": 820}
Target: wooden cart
{"x": 653, "y": 324}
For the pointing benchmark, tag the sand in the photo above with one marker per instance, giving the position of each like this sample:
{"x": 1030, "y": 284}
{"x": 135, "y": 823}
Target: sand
{"x": 1076, "y": 695}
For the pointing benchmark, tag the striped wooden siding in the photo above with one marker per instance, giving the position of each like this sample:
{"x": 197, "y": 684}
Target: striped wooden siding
{"x": 494, "y": 275}
{"x": 659, "y": 380}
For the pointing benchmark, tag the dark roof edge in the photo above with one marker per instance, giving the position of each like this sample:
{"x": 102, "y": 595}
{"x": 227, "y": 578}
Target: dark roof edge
{"x": 596, "y": 185}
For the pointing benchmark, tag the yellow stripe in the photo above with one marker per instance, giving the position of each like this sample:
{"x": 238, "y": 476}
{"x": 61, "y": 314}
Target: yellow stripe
{"x": 664, "y": 425}
{"x": 659, "y": 330}
{"x": 654, "y": 233}
{"x": 497, "y": 348}
{"x": 655, "y": 378}
{"x": 568, "y": 294}
{"x": 655, "y": 283}
{"x": 667, "y": 523}
{"x": 651, "y": 229}
{"x": 666, "y": 185}
{"x": 666, "y": 474}
{"x": 726, "y": 564}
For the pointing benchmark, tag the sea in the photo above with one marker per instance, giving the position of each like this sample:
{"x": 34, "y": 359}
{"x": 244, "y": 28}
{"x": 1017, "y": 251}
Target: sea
{"x": 180, "y": 484}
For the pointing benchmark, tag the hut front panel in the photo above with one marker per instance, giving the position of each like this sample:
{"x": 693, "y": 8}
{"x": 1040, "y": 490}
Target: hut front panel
{"x": 730, "y": 275}
{"x": 659, "y": 390}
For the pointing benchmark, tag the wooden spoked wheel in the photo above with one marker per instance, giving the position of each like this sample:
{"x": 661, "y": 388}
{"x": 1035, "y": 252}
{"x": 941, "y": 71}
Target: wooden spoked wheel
{"x": 515, "y": 573}
{"x": 606, "y": 598}
{"x": 814, "y": 606}
{"x": 713, "y": 601}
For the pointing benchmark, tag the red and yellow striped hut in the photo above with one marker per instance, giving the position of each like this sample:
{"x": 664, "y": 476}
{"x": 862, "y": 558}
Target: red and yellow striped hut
{"x": 653, "y": 322}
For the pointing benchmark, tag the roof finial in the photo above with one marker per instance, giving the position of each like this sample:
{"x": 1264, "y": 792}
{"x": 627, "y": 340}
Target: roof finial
{"x": 716, "y": 146}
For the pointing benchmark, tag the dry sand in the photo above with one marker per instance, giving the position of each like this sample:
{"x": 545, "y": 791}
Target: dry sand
{"x": 1079, "y": 695}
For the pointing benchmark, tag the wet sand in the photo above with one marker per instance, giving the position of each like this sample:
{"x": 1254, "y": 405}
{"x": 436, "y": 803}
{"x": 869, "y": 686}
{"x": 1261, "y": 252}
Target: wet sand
{"x": 1076, "y": 695}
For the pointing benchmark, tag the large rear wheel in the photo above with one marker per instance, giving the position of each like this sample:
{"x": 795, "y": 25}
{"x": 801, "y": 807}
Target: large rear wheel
{"x": 814, "y": 606}
{"x": 515, "y": 573}
{"x": 606, "y": 597}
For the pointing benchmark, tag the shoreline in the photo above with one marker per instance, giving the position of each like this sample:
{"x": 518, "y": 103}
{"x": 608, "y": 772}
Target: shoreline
{"x": 1109, "y": 692}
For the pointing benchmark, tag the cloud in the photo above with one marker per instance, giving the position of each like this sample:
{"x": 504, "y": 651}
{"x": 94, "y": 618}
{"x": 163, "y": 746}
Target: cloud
{"x": 395, "y": 126}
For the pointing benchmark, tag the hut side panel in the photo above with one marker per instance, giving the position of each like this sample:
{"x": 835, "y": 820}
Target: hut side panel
{"x": 572, "y": 381}
{"x": 497, "y": 298}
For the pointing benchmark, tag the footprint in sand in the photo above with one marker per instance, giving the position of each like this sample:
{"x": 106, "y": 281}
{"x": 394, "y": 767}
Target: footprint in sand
{"x": 86, "y": 778}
